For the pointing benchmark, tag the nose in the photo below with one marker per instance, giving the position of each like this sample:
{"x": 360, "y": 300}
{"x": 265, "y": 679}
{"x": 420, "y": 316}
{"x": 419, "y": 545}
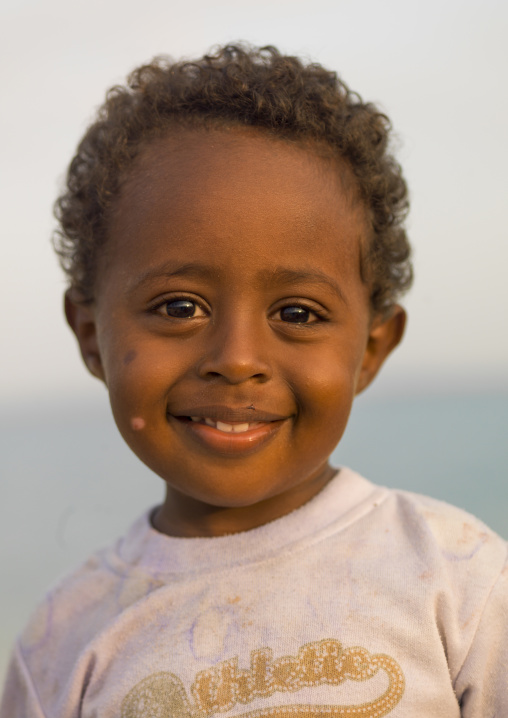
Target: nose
{"x": 237, "y": 352}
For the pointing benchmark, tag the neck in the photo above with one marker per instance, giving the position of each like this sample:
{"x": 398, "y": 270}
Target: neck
{"x": 184, "y": 516}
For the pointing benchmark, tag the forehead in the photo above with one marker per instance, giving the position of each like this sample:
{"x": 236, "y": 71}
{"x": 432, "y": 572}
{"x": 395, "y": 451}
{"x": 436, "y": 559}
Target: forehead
{"x": 237, "y": 190}
{"x": 211, "y": 163}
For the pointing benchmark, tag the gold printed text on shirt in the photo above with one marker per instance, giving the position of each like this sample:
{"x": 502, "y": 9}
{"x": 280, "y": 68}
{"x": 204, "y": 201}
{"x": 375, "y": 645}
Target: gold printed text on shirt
{"x": 221, "y": 688}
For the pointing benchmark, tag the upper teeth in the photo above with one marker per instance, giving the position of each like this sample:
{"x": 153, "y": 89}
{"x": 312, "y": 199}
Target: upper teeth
{"x": 222, "y": 425}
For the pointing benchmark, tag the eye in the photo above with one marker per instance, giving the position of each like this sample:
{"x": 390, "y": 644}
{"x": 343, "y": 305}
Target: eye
{"x": 297, "y": 315}
{"x": 181, "y": 309}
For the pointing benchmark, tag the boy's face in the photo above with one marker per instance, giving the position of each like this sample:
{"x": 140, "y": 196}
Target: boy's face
{"x": 231, "y": 324}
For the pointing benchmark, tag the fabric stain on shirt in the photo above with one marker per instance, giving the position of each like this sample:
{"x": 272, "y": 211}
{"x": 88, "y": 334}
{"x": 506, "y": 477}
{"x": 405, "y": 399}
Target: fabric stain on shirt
{"x": 208, "y": 634}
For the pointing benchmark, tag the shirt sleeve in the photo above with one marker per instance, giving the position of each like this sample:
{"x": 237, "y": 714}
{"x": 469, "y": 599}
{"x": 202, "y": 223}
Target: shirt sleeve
{"x": 20, "y": 698}
{"x": 482, "y": 683}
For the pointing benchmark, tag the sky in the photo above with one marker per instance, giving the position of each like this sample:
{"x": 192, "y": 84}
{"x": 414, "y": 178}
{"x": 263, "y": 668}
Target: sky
{"x": 437, "y": 68}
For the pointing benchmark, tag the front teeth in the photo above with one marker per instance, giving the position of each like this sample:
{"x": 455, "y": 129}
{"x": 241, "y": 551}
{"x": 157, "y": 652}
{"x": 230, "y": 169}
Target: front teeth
{"x": 232, "y": 428}
{"x": 222, "y": 426}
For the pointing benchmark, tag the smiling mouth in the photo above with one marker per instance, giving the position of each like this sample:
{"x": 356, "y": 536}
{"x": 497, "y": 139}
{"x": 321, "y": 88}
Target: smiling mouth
{"x": 227, "y": 428}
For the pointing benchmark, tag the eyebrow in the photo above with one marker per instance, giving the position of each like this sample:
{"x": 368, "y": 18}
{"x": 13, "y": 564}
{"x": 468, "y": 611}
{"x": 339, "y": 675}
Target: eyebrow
{"x": 190, "y": 269}
{"x": 282, "y": 275}
{"x": 275, "y": 276}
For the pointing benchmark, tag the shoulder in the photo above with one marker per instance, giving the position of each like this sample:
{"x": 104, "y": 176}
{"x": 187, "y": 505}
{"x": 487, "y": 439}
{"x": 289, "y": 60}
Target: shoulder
{"x": 421, "y": 525}
{"x": 465, "y": 574}
{"x": 81, "y": 606}
{"x": 455, "y": 557}
{"x": 434, "y": 548}
{"x": 455, "y": 533}
{"x": 66, "y": 603}
{"x": 445, "y": 563}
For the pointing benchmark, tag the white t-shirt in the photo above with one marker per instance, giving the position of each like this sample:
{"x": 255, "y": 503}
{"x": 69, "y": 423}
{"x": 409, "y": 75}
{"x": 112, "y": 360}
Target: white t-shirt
{"x": 363, "y": 602}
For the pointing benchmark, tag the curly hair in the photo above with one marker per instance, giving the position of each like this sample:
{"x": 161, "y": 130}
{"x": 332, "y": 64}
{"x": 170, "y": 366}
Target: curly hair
{"x": 237, "y": 85}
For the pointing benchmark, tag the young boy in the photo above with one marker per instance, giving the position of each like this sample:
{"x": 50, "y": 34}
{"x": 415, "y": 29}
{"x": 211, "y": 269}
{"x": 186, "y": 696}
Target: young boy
{"x": 232, "y": 233}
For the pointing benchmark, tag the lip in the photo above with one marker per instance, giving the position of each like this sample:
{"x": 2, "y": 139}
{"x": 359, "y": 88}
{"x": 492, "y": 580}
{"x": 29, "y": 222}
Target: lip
{"x": 265, "y": 427}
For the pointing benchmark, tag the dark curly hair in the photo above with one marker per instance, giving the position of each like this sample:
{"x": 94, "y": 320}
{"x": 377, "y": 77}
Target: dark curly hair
{"x": 236, "y": 86}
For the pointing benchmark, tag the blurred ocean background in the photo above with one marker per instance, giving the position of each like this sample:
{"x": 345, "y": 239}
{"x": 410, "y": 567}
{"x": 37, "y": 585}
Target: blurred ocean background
{"x": 70, "y": 484}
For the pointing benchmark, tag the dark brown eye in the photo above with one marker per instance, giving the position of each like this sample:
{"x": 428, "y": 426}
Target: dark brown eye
{"x": 182, "y": 309}
{"x": 295, "y": 315}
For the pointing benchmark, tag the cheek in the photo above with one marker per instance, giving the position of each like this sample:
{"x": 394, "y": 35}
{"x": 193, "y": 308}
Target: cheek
{"x": 138, "y": 404}
{"x": 328, "y": 384}
{"x": 325, "y": 396}
{"x": 137, "y": 390}
{"x": 136, "y": 364}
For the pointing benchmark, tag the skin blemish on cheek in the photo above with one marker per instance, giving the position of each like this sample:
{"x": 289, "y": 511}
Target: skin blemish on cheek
{"x": 137, "y": 423}
{"x": 129, "y": 357}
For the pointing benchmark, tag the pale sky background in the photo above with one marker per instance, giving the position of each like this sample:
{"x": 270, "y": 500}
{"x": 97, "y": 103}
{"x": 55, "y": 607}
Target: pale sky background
{"x": 438, "y": 68}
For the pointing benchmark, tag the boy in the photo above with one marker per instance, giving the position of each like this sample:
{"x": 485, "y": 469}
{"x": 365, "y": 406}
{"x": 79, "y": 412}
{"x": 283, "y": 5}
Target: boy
{"x": 232, "y": 233}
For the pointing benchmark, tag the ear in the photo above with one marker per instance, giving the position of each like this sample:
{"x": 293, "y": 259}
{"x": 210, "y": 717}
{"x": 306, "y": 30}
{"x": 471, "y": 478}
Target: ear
{"x": 384, "y": 335}
{"x": 80, "y": 316}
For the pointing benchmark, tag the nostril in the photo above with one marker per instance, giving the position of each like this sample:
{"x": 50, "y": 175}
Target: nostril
{"x": 234, "y": 375}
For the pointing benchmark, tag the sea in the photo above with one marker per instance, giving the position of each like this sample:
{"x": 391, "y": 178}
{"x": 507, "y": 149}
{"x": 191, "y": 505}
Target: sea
{"x": 70, "y": 485}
